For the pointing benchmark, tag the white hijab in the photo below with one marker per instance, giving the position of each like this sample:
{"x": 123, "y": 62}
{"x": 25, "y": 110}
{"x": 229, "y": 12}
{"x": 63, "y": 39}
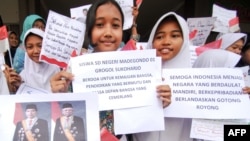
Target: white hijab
{"x": 35, "y": 74}
{"x": 182, "y": 59}
{"x": 176, "y": 129}
{"x": 229, "y": 38}
{"x": 4, "y": 90}
{"x": 215, "y": 58}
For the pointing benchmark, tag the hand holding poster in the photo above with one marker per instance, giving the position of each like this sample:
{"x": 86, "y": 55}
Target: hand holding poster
{"x": 124, "y": 123}
{"x": 211, "y": 93}
{"x": 122, "y": 79}
{"x": 62, "y": 36}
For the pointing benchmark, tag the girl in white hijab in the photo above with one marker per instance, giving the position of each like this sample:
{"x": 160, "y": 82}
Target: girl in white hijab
{"x": 35, "y": 73}
{"x": 233, "y": 42}
{"x": 169, "y": 37}
{"x": 216, "y": 58}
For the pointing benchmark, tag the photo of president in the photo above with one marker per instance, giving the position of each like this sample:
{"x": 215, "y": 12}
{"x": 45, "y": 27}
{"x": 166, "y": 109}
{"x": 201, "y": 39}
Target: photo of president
{"x": 32, "y": 128}
{"x": 69, "y": 127}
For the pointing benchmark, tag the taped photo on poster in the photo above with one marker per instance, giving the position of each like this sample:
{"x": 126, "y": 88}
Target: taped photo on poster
{"x": 50, "y": 117}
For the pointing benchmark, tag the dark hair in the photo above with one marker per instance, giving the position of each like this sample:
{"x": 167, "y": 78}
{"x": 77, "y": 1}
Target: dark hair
{"x": 246, "y": 47}
{"x": 12, "y": 32}
{"x": 31, "y": 106}
{"x": 41, "y": 20}
{"x": 67, "y": 105}
{"x": 90, "y": 21}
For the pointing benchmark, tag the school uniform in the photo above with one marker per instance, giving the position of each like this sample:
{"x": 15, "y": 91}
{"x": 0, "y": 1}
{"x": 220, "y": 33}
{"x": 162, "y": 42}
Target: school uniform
{"x": 176, "y": 129}
{"x": 37, "y": 75}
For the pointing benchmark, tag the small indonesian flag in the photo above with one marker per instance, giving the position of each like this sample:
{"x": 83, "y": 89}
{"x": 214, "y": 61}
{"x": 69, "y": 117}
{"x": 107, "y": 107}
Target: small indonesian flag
{"x": 193, "y": 34}
{"x": 18, "y": 115}
{"x": 234, "y": 25}
{"x": 212, "y": 45}
{"x": 130, "y": 45}
{"x": 138, "y": 3}
{"x": 107, "y": 136}
{"x": 4, "y": 43}
{"x": 56, "y": 110}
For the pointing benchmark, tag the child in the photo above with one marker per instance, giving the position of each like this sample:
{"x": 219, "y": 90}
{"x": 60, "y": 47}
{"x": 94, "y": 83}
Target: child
{"x": 35, "y": 73}
{"x": 104, "y": 26}
{"x": 13, "y": 43}
{"x": 31, "y": 21}
{"x": 216, "y": 58}
{"x": 233, "y": 42}
{"x": 169, "y": 37}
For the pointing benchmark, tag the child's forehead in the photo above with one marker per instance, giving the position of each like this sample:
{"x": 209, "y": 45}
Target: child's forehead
{"x": 108, "y": 11}
{"x": 107, "y": 7}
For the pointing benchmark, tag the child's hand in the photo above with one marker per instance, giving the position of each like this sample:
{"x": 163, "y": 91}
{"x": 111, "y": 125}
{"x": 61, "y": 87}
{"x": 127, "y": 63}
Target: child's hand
{"x": 164, "y": 93}
{"x": 60, "y": 82}
{"x": 246, "y": 90}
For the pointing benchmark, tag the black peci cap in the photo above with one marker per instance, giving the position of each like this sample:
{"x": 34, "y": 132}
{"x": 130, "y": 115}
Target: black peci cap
{"x": 31, "y": 106}
{"x": 67, "y": 105}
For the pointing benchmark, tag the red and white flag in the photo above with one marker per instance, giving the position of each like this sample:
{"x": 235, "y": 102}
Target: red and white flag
{"x": 138, "y": 3}
{"x": 212, "y": 45}
{"x": 234, "y": 25}
{"x": 55, "y": 113}
{"x": 107, "y": 136}
{"x": 130, "y": 45}
{"x": 4, "y": 43}
{"x": 18, "y": 115}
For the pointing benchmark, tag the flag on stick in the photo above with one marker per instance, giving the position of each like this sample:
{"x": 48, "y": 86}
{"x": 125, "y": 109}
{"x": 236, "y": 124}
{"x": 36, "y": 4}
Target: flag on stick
{"x": 4, "y": 43}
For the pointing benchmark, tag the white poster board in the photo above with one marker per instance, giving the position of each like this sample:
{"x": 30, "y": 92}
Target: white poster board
{"x": 223, "y": 16}
{"x": 49, "y": 108}
{"x": 63, "y": 35}
{"x": 122, "y": 79}
{"x": 210, "y": 93}
{"x": 201, "y": 27}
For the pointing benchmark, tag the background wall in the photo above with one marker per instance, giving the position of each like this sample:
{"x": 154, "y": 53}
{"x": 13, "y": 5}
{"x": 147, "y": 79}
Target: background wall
{"x": 14, "y": 11}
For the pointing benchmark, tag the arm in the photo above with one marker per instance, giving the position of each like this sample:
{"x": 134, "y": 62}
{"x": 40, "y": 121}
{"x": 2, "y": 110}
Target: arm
{"x": 14, "y": 80}
{"x": 134, "y": 34}
{"x": 246, "y": 90}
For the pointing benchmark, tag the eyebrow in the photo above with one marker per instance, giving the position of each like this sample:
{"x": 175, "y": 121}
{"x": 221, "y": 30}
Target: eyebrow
{"x": 162, "y": 32}
{"x": 102, "y": 18}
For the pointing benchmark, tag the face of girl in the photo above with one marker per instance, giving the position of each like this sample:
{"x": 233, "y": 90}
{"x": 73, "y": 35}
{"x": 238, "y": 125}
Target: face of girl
{"x": 107, "y": 31}
{"x": 168, "y": 40}
{"x": 236, "y": 47}
{"x": 33, "y": 46}
{"x": 13, "y": 40}
{"x": 39, "y": 24}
